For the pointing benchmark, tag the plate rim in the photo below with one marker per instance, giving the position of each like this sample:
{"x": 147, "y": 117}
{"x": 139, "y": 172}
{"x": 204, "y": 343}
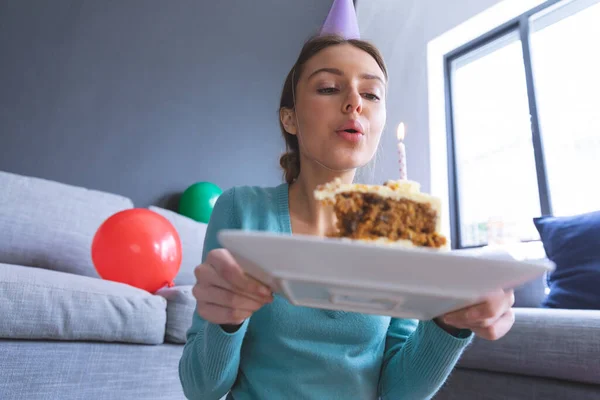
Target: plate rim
{"x": 343, "y": 242}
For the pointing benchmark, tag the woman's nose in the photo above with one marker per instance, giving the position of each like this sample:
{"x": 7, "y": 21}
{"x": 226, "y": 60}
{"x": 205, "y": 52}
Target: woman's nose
{"x": 353, "y": 103}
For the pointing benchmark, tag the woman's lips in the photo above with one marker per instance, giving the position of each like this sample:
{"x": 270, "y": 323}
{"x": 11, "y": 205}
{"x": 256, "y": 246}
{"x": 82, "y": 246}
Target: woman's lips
{"x": 351, "y": 125}
{"x": 350, "y": 136}
{"x": 351, "y": 131}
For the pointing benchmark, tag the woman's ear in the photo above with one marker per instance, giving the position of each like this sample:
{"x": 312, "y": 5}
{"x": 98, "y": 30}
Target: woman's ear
{"x": 288, "y": 120}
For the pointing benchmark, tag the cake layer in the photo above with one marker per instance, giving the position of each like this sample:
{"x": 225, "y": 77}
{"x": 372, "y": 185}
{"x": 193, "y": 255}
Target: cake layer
{"x": 396, "y": 212}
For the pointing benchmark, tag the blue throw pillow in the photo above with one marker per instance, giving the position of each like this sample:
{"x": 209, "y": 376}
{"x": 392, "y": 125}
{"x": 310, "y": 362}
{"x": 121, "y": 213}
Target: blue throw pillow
{"x": 573, "y": 244}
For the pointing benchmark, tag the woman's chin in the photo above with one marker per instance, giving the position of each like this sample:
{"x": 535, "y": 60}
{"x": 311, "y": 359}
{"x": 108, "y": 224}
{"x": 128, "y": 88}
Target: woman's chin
{"x": 341, "y": 159}
{"x": 346, "y": 164}
{"x": 353, "y": 159}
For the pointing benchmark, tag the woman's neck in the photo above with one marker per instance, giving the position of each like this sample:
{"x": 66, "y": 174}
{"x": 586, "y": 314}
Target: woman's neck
{"x": 307, "y": 214}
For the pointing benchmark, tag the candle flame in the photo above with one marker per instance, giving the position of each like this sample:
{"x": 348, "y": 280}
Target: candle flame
{"x": 401, "y": 131}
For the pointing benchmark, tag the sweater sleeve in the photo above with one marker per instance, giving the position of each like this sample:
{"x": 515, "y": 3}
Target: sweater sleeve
{"x": 418, "y": 359}
{"x": 209, "y": 364}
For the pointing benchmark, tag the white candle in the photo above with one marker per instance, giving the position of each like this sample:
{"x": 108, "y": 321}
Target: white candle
{"x": 400, "y": 133}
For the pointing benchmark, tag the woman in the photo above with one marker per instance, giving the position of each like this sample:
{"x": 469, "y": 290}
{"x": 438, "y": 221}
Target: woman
{"x": 255, "y": 345}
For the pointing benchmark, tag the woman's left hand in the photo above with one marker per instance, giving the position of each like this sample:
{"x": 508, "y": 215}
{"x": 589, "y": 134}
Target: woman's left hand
{"x": 490, "y": 319}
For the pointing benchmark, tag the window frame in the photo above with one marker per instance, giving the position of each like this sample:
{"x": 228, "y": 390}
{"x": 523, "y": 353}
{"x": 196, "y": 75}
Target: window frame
{"x": 521, "y": 25}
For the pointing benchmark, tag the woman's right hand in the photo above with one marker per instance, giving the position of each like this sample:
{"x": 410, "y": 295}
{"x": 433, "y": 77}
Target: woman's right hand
{"x": 225, "y": 295}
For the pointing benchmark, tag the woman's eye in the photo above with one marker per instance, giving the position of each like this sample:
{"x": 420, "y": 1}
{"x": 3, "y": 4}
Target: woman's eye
{"x": 371, "y": 96}
{"x": 328, "y": 90}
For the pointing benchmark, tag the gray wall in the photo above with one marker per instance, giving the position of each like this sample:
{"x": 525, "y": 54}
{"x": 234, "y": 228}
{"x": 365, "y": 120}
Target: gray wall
{"x": 401, "y": 29}
{"x": 145, "y": 97}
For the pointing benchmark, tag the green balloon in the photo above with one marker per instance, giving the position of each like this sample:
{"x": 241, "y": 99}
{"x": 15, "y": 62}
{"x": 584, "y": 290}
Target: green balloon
{"x": 198, "y": 201}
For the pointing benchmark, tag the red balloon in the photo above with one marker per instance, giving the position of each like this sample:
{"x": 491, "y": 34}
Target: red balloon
{"x": 138, "y": 247}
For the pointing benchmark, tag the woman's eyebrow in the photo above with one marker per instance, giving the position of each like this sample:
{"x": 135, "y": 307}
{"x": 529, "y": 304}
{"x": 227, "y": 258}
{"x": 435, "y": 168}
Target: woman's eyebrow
{"x": 336, "y": 71}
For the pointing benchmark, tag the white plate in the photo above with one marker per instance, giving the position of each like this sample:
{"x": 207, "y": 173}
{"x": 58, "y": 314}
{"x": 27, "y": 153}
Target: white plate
{"x": 338, "y": 274}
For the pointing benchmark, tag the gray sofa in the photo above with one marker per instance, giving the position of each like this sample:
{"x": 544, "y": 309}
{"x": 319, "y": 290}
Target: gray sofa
{"x": 64, "y": 332}
{"x": 548, "y": 354}
{"x": 67, "y": 334}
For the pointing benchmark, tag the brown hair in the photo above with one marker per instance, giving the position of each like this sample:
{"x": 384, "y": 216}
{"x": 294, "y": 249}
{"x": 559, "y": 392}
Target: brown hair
{"x": 290, "y": 160}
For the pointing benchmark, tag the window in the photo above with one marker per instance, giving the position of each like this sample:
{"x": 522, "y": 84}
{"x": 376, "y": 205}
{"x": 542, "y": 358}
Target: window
{"x": 566, "y": 69}
{"x": 523, "y": 125}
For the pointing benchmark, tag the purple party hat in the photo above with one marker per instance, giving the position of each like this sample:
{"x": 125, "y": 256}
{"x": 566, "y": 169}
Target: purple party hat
{"x": 342, "y": 20}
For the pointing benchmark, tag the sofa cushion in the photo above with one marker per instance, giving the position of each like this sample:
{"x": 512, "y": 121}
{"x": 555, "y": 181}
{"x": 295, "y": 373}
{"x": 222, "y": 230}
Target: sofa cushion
{"x": 573, "y": 244}
{"x": 181, "y": 306}
{"x": 551, "y": 343}
{"x": 51, "y": 225}
{"x": 191, "y": 234}
{"x": 39, "y": 370}
{"x": 41, "y": 304}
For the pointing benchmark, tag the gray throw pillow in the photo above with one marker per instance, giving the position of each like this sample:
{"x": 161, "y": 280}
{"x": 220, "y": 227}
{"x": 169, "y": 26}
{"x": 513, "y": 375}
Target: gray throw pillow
{"x": 51, "y": 225}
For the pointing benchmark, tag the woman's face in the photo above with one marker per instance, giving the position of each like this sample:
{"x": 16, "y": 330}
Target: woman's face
{"x": 340, "y": 108}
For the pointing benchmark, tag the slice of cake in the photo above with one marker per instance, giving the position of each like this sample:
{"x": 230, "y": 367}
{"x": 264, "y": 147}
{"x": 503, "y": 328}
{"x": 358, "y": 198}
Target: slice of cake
{"x": 396, "y": 212}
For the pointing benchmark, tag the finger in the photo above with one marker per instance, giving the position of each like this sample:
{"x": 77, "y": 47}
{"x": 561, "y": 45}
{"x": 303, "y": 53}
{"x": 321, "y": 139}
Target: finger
{"x": 221, "y": 315}
{"x": 230, "y": 299}
{"x": 203, "y": 273}
{"x": 484, "y": 313}
{"x": 460, "y": 313}
{"x": 501, "y": 309}
{"x": 228, "y": 269}
{"x": 465, "y": 322}
{"x": 484, "y": 323}
{"x": 499, "y": 329}
{"x": 511, "y": 298}
{"x": 207, "y": 277}
{"x": 220, "y": 282}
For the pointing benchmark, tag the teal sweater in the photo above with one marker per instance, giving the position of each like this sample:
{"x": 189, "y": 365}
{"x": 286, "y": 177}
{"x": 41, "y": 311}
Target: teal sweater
{"x": 290, "y": 352}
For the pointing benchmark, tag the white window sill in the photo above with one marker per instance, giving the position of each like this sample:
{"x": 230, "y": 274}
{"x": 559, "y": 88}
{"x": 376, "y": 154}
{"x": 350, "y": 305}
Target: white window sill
{"x": 528, "y": 251}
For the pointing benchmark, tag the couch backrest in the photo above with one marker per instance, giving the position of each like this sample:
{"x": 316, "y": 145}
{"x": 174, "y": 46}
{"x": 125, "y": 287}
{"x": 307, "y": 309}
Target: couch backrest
{"x": 51, "y": 225}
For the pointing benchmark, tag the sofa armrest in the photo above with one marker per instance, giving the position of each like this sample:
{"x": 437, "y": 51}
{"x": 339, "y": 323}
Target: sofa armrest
{"x": 553, "y": 343}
